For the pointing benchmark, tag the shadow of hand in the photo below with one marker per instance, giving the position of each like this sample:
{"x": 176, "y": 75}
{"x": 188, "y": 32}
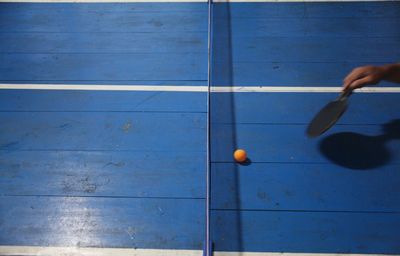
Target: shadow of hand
{"x": 357, "y": 151}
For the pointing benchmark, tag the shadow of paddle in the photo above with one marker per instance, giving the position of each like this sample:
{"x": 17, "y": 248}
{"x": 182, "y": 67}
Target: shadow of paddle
{"x": 358, "y": 151}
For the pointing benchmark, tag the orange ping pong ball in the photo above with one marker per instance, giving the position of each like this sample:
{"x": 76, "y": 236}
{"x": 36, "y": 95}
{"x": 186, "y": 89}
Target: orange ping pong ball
{"x": 240, "y": 155}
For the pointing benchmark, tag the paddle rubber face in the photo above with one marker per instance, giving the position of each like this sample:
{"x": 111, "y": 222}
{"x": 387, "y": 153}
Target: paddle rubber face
{"x": 327, "y": 117}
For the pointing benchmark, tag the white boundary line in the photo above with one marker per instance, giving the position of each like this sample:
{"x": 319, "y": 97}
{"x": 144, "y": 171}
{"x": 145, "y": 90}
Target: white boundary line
{"x": 297, "y": 1}
{"x": 184, "y": 88}
{"x": 103, "y": 1}
{"x": 289, "y": 254}
{"x": 184, "y": 1}
{"x": 299, "y": 89}
{"x": 95, "y": 87}
{"x": 75, "y": 251}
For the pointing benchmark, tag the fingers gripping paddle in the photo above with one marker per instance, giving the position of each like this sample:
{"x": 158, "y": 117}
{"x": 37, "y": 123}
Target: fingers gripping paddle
{"x": 328, "y": 115}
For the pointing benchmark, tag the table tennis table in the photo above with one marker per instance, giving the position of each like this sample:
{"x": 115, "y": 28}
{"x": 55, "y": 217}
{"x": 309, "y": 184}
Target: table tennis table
{"x": 119, "y": 118}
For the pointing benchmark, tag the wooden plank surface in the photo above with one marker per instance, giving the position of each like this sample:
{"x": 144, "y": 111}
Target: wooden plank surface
{"x": 52, "y": 101}
{"x": 333, "y": 194}
{"x": 283, "y": 73}
{"x": 300, "y": 108}
{"x": 103, "y": 42}
{"x": 309, "y": 26}
{"x": 134, "y": 43}
{"x": 74, "y": 164}
{"x": 309, "y": 48}
{"x": 289, "y": 143}
{"x": 301, "y": 44}
{"x": 107, "y": 8}
{"x": 304, "y": 187}
{"x": 102, "y": 222}
{"x": 103, "y": 17}
{"x": 84, "y": 179}
{"x": 86, "y": 66}
{"x": 322, "y": 9}
{"x": 308, "y": 232}
{"x": 167, "y": 174}
{"x": 101, "y": 131}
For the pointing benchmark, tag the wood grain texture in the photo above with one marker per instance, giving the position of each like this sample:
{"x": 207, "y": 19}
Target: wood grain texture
{"x": 74, "y": 164}
{"x": 119, "y": 169}
{"x": 300, "y": 108}
{"x": 323, "y": 9}
{"x": 84, "y": 67}
{"x": 300, "y": 44}
{"x": 98, "y": 17}
{"x": 167, "y": 42}
{"x": 102, "y": 222}
{"x": 53, "y": 101}
{"x": 333, "y": 194}
{"x": 110, "y": 131}
{"x": 304, "y": 187}
{"x": 289, "y": 143}
{"x": 146, "y": 174}
{"x": 307, "y": 232}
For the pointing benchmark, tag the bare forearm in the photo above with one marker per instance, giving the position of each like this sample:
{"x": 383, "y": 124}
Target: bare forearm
{"x": 392, "y": 72}
{"x": 362, "y": 76}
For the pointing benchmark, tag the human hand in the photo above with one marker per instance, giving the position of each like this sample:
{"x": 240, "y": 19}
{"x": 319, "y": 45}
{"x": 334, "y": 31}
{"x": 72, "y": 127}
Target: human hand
{"x": 362, "y": 76}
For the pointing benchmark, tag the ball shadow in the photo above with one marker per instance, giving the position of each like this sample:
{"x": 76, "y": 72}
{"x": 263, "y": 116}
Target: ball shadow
{"x": 246, "y": 163}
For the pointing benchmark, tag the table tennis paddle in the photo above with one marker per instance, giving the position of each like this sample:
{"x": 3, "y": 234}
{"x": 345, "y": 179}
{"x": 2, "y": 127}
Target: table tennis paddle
{"x": 328, "y": 115}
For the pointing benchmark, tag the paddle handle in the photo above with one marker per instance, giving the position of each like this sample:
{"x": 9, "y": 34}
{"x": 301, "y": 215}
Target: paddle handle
{"x": 345, "y": 94}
